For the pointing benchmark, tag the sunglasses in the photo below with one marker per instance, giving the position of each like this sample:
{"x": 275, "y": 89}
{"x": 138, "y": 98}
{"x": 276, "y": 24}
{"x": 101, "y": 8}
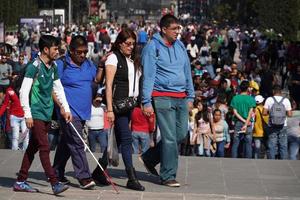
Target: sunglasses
{"x": 129, "y": 43}
{"x": 80, "y": 52}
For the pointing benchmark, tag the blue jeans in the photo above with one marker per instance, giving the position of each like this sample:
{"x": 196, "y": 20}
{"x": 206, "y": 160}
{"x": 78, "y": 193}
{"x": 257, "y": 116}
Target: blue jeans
{"x": 172, "y": 119}
{"x": 220, "y": 149}
{"x": 16, "y": 123}
{"x": 294, "y": 144}
{"x": 140, "y": 138}
{"x": 124, "y": 137}
{"x": 278, "y": 143}
{"x": 258, "y": 142}
{"x": 237, "y": 137}
{"x": 99, "y": 136}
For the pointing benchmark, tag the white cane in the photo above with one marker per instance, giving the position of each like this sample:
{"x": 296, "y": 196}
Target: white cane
{"x": 86, "y": 146}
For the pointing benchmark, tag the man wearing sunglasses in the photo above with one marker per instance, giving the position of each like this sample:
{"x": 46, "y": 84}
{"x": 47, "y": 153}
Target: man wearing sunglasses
{"x": 77, "y": 75}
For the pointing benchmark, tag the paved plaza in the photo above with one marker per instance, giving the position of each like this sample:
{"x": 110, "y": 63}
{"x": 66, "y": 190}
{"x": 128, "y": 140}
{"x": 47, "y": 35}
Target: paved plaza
{"x": 201, "y": 179}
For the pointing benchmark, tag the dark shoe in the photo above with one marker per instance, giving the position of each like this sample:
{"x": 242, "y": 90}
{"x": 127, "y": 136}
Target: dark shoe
{"x": 64, "y": 180}
{"x": 150, "y": 169}
{"x": 59, "y": 188}
{"x": 99, "y": 177}
{"x": 133, "y": 183}
{"x": 87, "y": 184}
{"x": 171, "y": 183}
{"x": 23, "y": 187}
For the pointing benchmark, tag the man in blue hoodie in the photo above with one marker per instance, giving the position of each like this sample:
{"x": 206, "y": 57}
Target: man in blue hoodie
{"x": 167, "y": 90}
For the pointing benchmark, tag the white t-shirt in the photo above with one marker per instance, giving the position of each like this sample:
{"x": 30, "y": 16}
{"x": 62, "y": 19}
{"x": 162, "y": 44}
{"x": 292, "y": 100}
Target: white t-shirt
{"x": 193, "y": 50}
{"x": 286, "y": 102}
{"x": 97, "y": 119}
{"x": 113, "y": 60}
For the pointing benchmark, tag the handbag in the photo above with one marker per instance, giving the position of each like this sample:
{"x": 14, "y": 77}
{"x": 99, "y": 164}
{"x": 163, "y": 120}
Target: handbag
{"x": 125, "y": 105}
{"x": 112, "y": 148}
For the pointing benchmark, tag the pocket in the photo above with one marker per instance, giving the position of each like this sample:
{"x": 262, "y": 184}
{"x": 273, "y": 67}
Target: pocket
{"x": 162, "y": 103}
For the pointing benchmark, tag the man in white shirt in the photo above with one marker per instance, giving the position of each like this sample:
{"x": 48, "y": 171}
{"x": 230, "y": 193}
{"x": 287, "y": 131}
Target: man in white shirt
{"x": 277, "y": 138}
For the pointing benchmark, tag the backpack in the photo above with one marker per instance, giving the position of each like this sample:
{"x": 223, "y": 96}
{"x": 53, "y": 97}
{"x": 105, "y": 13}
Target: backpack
{"x": 18, "y": 82}
{"x": 277, "y": 114}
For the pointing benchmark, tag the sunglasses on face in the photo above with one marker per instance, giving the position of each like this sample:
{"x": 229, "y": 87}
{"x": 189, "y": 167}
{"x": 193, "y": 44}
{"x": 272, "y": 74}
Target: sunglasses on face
{"x": 80, "y": 52}
{"x": 129, "y": 44}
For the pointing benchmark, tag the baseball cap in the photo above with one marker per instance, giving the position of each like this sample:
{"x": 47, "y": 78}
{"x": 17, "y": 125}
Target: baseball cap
{"x": 259, "y": 99}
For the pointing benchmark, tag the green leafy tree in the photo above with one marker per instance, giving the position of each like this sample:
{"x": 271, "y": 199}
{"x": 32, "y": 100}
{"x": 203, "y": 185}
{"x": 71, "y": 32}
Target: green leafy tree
{"x": 12, "y": 10}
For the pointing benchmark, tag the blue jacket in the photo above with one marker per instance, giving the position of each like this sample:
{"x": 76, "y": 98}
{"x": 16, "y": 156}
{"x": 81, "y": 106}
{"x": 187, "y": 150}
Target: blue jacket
{"x": 165, "y": 69}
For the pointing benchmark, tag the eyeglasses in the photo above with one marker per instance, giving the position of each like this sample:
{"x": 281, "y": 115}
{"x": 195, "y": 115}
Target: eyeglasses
{"x": 175, "y": 28}
{"x": 129, "y": 43}
{"x": 79, "y": 52}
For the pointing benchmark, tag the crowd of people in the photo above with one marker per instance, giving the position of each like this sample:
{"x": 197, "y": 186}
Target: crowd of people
{"x": 166, "y": 89}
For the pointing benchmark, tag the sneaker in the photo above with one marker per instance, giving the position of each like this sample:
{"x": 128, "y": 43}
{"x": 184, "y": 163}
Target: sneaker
{"x": 87, "y": 183}
{"x": 150, "y": 169}
{"x": 171, "y": 183}
{"x": 23, "y": 187}
{"x": 59, "y": 188}
{"x": 64, "y": 180}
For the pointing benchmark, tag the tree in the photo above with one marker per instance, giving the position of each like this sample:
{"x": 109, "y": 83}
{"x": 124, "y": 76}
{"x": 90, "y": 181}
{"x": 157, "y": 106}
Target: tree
{"x": 12, "y": 10}
{"x": 282, "y": 16}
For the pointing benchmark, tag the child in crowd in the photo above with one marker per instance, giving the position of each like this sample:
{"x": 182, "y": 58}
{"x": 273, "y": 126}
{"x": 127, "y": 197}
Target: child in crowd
{"x": 203, "y": 134}
{"x": 259, "y": 134}
{"x": 194, "y": 142}
{"x": 142, "y": 128}
{"x": 97, "y": 125}
{"x": 222, "y": 133}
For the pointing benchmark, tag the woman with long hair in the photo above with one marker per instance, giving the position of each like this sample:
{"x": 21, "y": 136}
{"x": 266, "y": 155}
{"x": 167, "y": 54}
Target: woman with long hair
{"x": 123, "y": 71}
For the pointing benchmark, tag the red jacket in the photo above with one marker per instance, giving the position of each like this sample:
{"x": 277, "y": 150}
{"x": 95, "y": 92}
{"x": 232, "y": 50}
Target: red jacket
{"x": 12, "y": 102}
{"x": 142, "y": 123}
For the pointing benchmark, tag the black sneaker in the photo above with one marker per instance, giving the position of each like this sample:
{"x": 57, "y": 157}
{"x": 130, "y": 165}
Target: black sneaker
{"x": 64, "y": 180}
{"x": 171, "y": 183}
{"x": 87, "y": 183}
{"x": 151, "y": 170}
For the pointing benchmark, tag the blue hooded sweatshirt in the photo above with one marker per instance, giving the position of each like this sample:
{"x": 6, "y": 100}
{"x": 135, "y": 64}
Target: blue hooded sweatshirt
{"x": 165, "y": 69}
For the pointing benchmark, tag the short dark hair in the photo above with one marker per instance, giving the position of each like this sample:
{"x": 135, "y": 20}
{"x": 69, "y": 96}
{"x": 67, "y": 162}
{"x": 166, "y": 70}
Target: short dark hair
{"x": 244, "y": 85}
{"x": 217, "y": 110}
{"x": 78, "y": 41}
{"x": 276, "y": 89}
{"x": 48, "y": 41}
{"x": 167, "y": 20}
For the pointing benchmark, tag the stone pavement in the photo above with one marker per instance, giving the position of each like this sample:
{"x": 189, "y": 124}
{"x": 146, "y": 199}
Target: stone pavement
{"x": 201, "y": 179}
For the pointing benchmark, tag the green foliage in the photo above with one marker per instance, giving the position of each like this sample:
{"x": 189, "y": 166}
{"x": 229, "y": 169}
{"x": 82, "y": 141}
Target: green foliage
{"x": 12, "y": 10}
{"x": 280, "y": 15}
{"x": 283, "y": 16}
{"x": 222, "y": 13}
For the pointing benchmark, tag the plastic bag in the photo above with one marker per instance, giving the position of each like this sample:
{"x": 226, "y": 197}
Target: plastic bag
{"x": 112, "y": 148}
